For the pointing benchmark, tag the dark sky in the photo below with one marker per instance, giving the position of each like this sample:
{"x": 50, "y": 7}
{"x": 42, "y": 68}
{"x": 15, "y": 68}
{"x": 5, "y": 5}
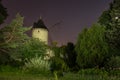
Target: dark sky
{"x": 73, "y": 15}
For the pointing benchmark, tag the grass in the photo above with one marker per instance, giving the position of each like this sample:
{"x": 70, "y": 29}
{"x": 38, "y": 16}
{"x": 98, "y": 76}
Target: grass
{"x": 22, "y": 76}
{"x": 71, "y": 76}
{"x": 8, "y": 73}
{"x": 92, "y": 74}
{"x": 67, "y": 76}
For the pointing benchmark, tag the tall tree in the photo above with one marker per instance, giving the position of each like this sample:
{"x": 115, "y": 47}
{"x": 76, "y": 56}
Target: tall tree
{"x": 3, "y": 13}
{"x": 105, "y": 19}
{"x": 12, "y": 36}
{"x": 70, "y": 55}
{"x": 91, "y": 47}
{"x": 111, "y": 19}
{"x": 113, "y": 33}
{"x": 14, "y": 33}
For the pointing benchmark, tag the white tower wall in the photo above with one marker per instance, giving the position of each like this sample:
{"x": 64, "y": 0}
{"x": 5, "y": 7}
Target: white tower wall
{"x": 41, "y": 34}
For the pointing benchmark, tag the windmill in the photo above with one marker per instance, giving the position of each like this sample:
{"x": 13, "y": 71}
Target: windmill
{"x": 40, "y": 31}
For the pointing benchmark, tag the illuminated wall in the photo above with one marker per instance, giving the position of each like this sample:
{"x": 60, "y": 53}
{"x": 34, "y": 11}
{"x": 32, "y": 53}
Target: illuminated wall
{"x": 41, "y": 34}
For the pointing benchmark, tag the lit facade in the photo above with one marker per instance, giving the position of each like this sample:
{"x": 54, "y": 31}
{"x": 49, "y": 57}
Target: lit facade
{"x": 40, "y": 31}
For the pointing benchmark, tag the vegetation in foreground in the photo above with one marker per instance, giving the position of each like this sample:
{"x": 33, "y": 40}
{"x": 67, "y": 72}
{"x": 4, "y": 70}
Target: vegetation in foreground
{"x": 9, "y": 73}
{"x": 95, "y": 56}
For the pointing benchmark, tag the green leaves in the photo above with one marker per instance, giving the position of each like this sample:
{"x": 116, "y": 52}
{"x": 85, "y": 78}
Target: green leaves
{"x": 91, "y": 47}
{"x": 14, "y": 33}
{"x": 111, "y": 20}
{"x": 37, "y": 65}
{"x": 30, "y": 49}
{"x": 13, "y": 36}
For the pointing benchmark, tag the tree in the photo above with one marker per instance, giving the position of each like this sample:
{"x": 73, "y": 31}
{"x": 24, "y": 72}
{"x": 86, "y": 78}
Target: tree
{"x": 91, "y": 48}
{"x": 111, "y": 20}
{"x": 57, "y": 61}
{"x": 30, "y": 49}
{"x": 3, "y": 13}
{"x": 113, "y": 63}
{"x": 69, "y": 54}
{"x": 105, "y": 19}
{"x": 113, "y": 34}
{"x": 12, "y": 36}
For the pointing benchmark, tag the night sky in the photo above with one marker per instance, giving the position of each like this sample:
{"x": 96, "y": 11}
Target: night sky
{"x": 73, "y": 15}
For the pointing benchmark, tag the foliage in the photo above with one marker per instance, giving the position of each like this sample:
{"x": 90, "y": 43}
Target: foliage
{"x": 56, "y": 51}
{"x": 69, "y": 55}
{"x": 58, "y": 65}
{"x": 91, "y": 48}
{"x": 37, "y": 65}
{"x": 4, "y": 54}
{"x": 89, "y": 74}
{"x": 115, "y": 72}
{"x": 105, "y": 19}
{"x": 30, "y": 49}
{"x": 4, "y": 58}
{"x": 8, "y": 68}
{"x": 11, "y": 37}
{"x": 111, "y": 20}
{"x": 14, "y": 34}
{"x": 55, "y": 75}
{"x": 114, "y": 62}
{"x": 93, "y": 71}
{"x": 3, "y": 13}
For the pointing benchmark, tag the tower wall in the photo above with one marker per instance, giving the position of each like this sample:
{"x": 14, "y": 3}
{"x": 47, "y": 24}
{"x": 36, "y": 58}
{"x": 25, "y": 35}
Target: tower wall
{"x": 41, "y": 34}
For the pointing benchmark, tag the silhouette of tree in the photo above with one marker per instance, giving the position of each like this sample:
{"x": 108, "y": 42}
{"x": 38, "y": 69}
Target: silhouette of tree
{"x": 3, "y": 13}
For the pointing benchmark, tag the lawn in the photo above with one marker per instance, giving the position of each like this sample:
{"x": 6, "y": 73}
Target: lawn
{"x": 9, "y": 73}
{"x": 18, "y": 76}
{"x": 67, "y": 76}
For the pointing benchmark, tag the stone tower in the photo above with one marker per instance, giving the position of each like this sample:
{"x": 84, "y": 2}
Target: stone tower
{"x": 40, "y": 31}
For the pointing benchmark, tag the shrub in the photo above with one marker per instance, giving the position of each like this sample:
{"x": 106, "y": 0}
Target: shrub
{"x": 4, "y": 58}
{"x": 29, "y": 50}
{"x": 114, "y": 62}
{"x": 93, "y": 72}
{"x": 58, "y": 65}
{"x": 37, "y": 65}
{"x": 114, "y": 73}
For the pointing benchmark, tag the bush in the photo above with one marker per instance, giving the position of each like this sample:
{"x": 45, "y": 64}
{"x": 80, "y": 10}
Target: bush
{"x": 114, "y": 62}
{"x": 4, "y": 58}
{"x": 58, "y": 65}
{"x": 37, "y": 65}
{"x": 114, "y": 73}
{"x": 93, "y": 72}
{"x": 29, "y": 50}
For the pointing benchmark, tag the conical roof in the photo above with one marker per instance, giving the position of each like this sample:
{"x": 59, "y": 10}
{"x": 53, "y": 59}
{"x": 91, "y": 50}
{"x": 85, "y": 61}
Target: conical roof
{"x": 39, "y": 24}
